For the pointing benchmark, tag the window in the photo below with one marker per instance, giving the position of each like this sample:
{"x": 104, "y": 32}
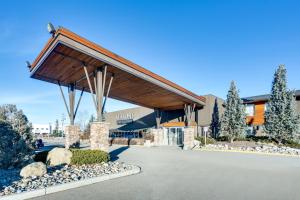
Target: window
{"x": 250, "y": 109}
{"x": 266, "y": 106}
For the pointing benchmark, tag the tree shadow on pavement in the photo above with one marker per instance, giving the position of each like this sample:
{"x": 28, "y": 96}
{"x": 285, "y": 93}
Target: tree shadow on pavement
{"x": 114, "y": 155}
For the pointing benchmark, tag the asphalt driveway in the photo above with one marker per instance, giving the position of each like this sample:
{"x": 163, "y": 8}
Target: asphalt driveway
{"x": 170, "y": 173}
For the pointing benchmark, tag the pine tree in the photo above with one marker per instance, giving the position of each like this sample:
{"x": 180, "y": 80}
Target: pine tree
{"x": 233, "y": 122}
{"x": 215, "y": 122}
{"x": 281, "y": 120}
{"x": 56, "y": 132}
{"x": 292, "y": 117}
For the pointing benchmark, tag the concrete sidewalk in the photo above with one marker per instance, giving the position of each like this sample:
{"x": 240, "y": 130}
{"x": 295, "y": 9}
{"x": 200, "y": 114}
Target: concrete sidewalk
{"x": 170, "y": 173}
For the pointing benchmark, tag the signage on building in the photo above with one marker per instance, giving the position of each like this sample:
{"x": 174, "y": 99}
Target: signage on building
{"x": 124, "y": 118}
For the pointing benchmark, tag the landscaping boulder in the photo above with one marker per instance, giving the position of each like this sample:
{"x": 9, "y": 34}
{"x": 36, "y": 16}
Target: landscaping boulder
{"x": 34, "y": 169}
{"x": 59, "y": 156}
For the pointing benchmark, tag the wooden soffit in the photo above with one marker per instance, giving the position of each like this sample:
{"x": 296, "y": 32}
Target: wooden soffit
{"x": 62, "y": 58}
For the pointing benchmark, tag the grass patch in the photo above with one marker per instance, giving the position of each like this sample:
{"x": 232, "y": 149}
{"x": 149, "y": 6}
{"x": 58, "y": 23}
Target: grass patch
{"x": 209, "y": 140}
{"x": 86, "y": 157}
{"x": 290, "y": 143}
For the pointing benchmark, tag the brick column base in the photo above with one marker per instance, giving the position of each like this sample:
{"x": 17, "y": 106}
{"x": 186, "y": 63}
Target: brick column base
{"x": 158, "y": 136}
{"x": 72, "y": 137}
{"x": 99, "y": 136}
{"x": 188, "y": 138}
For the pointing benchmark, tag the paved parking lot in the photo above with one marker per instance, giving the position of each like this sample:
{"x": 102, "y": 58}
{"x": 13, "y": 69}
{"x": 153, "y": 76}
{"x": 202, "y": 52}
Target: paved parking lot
{"x": 170, "y": 173}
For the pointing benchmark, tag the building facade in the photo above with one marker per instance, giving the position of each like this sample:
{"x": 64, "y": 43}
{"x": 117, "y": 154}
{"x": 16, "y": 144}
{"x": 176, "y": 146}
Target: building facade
{"x": 132, "y": 123}
{"x": 255, "y": 111}
{"x": 41, "y": 129}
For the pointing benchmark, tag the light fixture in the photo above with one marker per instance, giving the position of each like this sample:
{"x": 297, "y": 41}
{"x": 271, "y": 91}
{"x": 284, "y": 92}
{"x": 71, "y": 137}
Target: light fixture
{"x": 28, "y": 64}
{"x": 51, "y": 29}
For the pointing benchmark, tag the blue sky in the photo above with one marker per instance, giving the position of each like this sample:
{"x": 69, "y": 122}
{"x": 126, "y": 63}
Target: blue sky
{"x": 201, "y": 45}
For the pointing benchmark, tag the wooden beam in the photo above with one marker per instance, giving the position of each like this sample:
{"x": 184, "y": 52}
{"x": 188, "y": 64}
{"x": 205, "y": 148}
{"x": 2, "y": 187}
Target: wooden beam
{"x": 107, "y": 93}
{"x": 90, "y": 86}
{"x": 158, "y": 115}
{"x": 78, "y": 103}
{"x": 99, "y": 93}
{"x": 72, "y": 93}
{"x": 63, "y": 96}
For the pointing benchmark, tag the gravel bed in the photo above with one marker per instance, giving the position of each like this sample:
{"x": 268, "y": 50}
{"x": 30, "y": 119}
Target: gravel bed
{"x": 258, "y": 148}
{"x": 11, "y": 182}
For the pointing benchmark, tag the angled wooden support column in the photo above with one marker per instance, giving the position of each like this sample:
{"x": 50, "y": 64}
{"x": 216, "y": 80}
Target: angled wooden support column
{"x": 78, "y": 103}
{"x": 90, "y": 85}
{"x": 99, "y": 98}
{"x": 158, "y": 115}
{"x": 71, "y": 107}
{"x": 104, "y": 79}
{"x": 95, "y": 83}
{"x": 107, "y": 92}
{"x": 188, "y": 110}
{"x": 71, "y": 90}
{"x": 63, "y": 96}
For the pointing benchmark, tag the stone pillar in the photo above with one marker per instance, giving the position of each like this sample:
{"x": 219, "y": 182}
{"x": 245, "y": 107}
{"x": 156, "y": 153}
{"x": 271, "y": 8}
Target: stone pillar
{"x": 188, "y": 138}
{"x": 158, "y": 136}
{"x": 99, "y": 136}
{"x": 72, "y": 137}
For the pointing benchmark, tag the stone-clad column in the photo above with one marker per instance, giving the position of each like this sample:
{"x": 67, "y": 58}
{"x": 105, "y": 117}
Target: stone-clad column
{"x": 158, "y": 136}
{"x": 188, "y": 139}
{"x": 72, "y": 137}
{"x": 154, "y": 133}
{"x": 99, "y": 136}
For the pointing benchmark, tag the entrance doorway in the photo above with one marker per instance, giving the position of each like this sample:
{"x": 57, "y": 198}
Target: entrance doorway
{"x": 175, "y": 135}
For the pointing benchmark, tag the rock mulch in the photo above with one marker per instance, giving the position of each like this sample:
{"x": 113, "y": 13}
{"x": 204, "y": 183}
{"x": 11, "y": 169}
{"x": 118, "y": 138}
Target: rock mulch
{"x": 11, "y": 182}
{"x": 258, "y": 148}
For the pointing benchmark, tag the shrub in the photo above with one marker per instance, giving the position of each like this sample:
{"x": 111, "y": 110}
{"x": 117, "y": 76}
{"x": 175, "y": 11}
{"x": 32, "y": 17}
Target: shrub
{"x": 85, "y": 157}
{"x": 41, "y": 156}
{"x": 291, "y": 143}
{"x": 208, "y": 140}
{"x": 14, "y": 151}
{"x": 222, "y": 138}
{"x": 262, "y": 139}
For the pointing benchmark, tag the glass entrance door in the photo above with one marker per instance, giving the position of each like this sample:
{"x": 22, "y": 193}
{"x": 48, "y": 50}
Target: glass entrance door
{"x": 175, "y": 136}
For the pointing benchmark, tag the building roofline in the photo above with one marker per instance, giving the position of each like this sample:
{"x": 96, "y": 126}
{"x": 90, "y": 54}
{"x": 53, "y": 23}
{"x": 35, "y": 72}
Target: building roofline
{"x": 65, "y": 32}
{"x": 264, "y": 97}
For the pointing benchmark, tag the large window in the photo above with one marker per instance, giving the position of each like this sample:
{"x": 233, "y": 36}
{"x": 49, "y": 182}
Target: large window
{"x": 250, "y": 109}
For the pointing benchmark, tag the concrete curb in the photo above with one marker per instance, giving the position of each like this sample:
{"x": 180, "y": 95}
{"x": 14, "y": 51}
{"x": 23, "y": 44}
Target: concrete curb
{"x": 66, "y": 186}
{"x": 250, "y": 152}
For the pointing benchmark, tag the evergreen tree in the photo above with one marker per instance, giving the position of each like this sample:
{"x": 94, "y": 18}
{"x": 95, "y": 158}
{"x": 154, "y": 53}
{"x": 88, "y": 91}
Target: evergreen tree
{"x": 87, "y": 128}
{"x": 233, "y": 122}
{"x": 215, "y": 122}
{"x": 14, "y": 152}
{"x": 56, "y": 132}
{"x": 292, "y": 117}
{"x": 281, "y": 120}
{"x": 18, "y": 120}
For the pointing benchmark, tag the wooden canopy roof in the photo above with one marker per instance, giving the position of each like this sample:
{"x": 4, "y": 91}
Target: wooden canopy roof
{"x": 61, "y": 60}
